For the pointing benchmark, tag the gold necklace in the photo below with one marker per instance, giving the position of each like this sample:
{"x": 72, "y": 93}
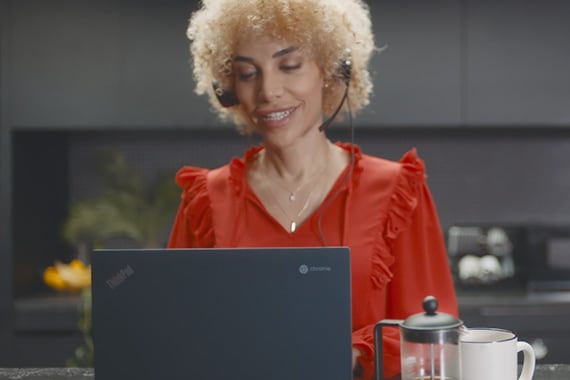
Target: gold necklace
{"x": 293, "y": 221}
{"x": 293, "y": 194}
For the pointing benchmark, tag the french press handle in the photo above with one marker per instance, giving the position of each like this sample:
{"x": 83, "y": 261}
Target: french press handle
{"x": 378, "y": 340}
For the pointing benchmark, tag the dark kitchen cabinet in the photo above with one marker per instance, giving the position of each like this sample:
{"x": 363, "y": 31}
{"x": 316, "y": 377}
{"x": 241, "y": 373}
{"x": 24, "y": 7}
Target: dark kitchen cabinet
{"x": 417, "y": 78}
{"x": 78, "y": 65}
{"x": 126, "y": 64}
{"x": 516, "y": 62}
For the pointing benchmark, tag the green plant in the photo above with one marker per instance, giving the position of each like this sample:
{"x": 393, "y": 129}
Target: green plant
{"x": 126, "y": 208}
{"x": 83, "y": 355}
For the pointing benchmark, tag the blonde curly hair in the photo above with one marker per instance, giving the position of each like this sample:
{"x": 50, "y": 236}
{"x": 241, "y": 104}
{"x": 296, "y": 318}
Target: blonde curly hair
{"x": 328, "y": 29}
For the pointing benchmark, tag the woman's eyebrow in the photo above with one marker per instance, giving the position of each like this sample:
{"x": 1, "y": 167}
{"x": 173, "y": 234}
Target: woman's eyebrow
{"x": 283, "y": 52}
{"x": 241, "y": 58}
{"x": 280, "y": 53}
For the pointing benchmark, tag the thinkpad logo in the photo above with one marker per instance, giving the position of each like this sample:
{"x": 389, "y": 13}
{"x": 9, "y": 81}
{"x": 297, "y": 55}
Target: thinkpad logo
{"x": 120, "y": 277}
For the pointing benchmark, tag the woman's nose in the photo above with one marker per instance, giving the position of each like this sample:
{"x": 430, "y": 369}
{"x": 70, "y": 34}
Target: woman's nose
{"x": 271, "y": 88}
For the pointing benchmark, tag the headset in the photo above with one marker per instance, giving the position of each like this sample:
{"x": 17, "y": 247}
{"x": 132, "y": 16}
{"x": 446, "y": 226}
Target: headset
{"x": 226, "y": 98}
{"x": 229, "y": 99}
{"x": 345, "y": 72}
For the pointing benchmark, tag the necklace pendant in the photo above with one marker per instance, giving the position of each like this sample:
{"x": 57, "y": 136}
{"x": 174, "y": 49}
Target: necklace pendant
{"x": 293, "y": 226}
{"x": 292, "y": 197}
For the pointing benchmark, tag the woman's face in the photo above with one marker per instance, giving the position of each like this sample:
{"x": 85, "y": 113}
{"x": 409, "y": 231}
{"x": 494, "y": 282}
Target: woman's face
{"x": 280, "y": 89}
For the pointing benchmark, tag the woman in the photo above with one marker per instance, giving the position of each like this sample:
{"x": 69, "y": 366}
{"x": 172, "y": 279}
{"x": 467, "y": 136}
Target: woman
{"x": 283, "y": 69}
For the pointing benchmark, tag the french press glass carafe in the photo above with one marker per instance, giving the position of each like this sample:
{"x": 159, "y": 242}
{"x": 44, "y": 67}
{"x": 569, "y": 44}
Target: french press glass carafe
{"x": 429, "y": 345}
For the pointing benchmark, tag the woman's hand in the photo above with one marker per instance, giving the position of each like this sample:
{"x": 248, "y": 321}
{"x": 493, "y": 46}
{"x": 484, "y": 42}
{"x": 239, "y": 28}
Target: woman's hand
{"x": 355, "y": 354}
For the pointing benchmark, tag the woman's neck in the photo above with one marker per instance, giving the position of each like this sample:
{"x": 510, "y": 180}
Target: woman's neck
{"x": 296, "y": 163}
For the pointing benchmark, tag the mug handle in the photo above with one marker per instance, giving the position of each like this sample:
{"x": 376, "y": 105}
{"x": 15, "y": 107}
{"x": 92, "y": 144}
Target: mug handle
{"x": 528, "y": 360}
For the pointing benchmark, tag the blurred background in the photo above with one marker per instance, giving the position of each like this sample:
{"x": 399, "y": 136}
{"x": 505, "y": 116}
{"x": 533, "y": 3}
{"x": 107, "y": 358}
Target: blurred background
{"x": 96, "y": 99}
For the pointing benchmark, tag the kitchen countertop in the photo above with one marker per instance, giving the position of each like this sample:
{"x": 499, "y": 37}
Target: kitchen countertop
{"x": 512, "y": 297}
{"x": 543, "y": 372}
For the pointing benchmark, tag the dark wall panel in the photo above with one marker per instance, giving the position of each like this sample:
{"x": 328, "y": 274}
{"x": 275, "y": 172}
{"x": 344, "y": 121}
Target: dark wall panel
{"x": 487, "y": 175}
{"x": 517, "y": 61}
{"x": 106, "y": 63}
{"x": 81, "y": 64}
{"x": 40, "y": 206}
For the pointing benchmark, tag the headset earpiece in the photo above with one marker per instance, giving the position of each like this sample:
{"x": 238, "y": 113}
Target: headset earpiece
{"x": 226, "y": 98}
{"x": 345, "y": 69}
{"x": 345, "y": 72}
{"x": 345, "y": 66}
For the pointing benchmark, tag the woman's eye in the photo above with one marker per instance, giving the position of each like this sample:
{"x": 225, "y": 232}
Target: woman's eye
{"x": 246, "y": 75}
{"x": 291, "y": 67}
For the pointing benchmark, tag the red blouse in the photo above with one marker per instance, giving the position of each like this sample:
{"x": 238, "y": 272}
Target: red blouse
{"x": 384, "y": 213}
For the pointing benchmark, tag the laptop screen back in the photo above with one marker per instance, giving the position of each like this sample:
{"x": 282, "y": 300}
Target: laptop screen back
{"x": 263, "y": 313}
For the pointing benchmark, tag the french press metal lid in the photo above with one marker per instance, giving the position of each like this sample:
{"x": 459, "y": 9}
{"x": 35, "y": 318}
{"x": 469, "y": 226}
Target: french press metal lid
{"x": 429, "y": 344}
{"x": 430, "y": 326}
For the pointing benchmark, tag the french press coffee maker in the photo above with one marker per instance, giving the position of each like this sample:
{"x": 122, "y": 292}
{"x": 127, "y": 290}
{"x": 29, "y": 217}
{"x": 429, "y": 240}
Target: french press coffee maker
{"x": 429, "y": 345}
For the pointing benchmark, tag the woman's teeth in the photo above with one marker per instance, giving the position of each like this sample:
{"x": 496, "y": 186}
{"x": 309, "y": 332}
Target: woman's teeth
{"x": 278, "y": 115}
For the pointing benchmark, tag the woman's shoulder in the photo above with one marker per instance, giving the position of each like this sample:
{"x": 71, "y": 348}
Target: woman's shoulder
{"x": 188, "y": 176}
{"x": 195, "y": 196}
{"x": 405, "y": 174}
{"x": 409, "y": 163}
{"x": 231, "y": 175}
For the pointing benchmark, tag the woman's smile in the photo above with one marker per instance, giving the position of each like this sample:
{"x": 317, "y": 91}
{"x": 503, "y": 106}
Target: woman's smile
{"x": 276, "y": 118}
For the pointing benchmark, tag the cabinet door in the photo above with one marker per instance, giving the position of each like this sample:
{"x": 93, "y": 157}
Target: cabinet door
{"x": 417, "y": 78}
{"x": 101, "y": 64}
{"x": 62, "y": 63}
{"x": 517, "y": 62}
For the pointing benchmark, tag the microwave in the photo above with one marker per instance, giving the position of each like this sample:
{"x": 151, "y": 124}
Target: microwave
{"x": 510, "y": 256}
{"x": 548, "y": 249}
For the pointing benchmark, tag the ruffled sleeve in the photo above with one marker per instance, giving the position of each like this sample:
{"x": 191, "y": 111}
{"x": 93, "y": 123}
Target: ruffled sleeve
{"x": 409, "y": 261}
{"x": 403, "y": 201}
{"x": 193, "y": 226}
{"x": 414, "y": 237}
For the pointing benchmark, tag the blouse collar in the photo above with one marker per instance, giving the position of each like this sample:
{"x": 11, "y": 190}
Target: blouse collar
{"x": 238, "y": 165}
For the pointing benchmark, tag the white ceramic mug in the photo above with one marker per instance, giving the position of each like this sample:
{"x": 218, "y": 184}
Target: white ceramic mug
{"x": 491, "y": 354}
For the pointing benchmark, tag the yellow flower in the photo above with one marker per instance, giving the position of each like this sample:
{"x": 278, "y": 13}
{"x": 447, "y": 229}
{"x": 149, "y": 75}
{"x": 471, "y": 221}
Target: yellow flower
{"x": 68, "y": 277}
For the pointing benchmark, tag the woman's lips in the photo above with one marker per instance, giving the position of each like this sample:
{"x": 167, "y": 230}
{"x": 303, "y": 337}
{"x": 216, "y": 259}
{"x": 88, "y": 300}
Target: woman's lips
{"x": 276, "y": 117}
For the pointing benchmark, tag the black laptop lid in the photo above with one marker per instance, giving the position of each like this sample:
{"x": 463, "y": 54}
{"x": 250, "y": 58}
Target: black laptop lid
{"x": 278, "y": 313}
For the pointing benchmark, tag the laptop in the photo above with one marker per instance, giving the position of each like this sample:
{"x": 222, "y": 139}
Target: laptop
{"x": 260, "y": 313}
